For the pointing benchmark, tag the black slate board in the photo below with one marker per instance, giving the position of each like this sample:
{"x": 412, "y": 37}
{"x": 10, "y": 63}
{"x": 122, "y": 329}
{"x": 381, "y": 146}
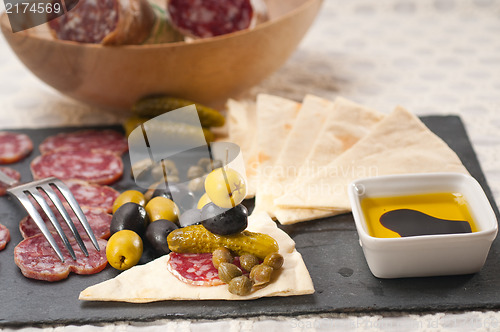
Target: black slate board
{"x": 330, "y": 249}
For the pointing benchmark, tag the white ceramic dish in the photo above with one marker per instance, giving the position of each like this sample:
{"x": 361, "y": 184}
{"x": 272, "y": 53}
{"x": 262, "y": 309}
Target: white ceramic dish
{"x": 427, "y": 255}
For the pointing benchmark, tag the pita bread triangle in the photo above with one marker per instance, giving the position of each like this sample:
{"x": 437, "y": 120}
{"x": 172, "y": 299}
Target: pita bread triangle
{"x": 398, "y": 144}
{"x": 275, "y": 119}
{"x": 153, "y": 282}
{"x": 346, "y": 122}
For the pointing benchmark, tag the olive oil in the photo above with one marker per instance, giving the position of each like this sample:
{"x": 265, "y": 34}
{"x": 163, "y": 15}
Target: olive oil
{"x": 442, "y": 210}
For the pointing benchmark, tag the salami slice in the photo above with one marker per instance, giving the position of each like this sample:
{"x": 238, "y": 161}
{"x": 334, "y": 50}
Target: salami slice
{"x": 92, "y": 195}
{"x": 210, "y": 18}
{"x": 37, "y": 260}
{"x": 4, "y": 236}
{"x": 98, "y": 167}
{"x": 14, "y": 147}
{"x": 11, "y": 173}
{"x": 110, "y": 22}
{"x": 98, "y": 219}
{"x": 194, "y": 269}
{"x": 86, "y": 140}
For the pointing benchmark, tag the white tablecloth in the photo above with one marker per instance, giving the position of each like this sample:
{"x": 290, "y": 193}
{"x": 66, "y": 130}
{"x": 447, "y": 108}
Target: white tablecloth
{"x": 430, "y": 56}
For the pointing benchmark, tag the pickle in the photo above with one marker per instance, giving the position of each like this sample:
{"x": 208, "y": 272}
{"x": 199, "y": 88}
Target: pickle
{"x": 196, "y": 239}
{"x": 169, "y": 130}
{"x": 153, "y": 106}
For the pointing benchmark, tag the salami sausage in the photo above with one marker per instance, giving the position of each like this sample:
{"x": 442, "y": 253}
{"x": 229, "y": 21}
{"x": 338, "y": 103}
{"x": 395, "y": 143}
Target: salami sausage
{"x": 37, "y": 260}
{"x": 92, "y": 195}
{"x": 98, "y": 219}
{"x": 110, "y": 22}
{"x": 194, "y": 269}
{"x": 4, "y": 236}
{"x": 98, "y": 167}
{"x": 210, "y": 18}
{"x": 14, "y": 147}
{"x": 86, "y": 140}
{"x": 11, "y": 173}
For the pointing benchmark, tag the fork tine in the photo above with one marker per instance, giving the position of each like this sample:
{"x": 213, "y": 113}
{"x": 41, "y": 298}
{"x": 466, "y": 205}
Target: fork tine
{"x": 77, "y": 210}
{"x": 59, "y": 206}
{"x": 30, "y": 208}
{"x": 48, "y": 211}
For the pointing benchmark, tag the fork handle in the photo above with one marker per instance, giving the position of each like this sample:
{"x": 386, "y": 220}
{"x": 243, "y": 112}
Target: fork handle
{"x": 4, "y": 178}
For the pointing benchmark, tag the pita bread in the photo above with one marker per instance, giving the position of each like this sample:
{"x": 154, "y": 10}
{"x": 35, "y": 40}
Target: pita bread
{"x": 345, "y": 124}
{"x": 242, "y": 121}
{"x": 273, "y": 183}
{"x": 152, "y": 282}
{"x": 399, "y": 144}
{"x": 275, "y": 119}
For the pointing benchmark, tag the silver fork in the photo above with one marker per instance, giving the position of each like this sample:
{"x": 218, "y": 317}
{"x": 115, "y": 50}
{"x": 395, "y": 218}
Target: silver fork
{"x": 35, "y": 189}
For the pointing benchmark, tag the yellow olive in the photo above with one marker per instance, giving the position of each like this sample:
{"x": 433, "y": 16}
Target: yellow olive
{"x": 128, "y": 196}
{"x": 162, "y": 208}
{"x": 204, "y": 200}
{"x": 124, "y": 249}
{"x": 225, "y": 187}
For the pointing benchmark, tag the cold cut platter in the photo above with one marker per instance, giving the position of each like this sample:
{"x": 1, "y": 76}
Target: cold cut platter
{"x": 329, "y": 247}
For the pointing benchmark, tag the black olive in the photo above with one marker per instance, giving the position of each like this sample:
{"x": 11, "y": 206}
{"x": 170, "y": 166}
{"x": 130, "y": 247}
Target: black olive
{"x": 157, "y": 233}
{"x": 224, "y": 221}
{"x": 131, "y": 216}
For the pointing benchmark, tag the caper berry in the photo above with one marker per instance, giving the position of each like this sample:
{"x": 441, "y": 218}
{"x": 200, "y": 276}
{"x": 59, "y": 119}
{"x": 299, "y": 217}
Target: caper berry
{"x": 195, "y": 172}
{"x": 274, "y": 260}
{"x": 247, "y": 261}
{"x": 221, "y": 255}
{"x": 240, "y": 286}
{"x": 197, "y": 185}
{"x": 261, "y": 274}
{"x": 228, "y": 271}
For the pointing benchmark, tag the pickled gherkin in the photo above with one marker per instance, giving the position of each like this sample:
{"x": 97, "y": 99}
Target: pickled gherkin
{"x": 181, "y": 132}
{"x": 197, "y": 239}
{"x": 150, "y": 107}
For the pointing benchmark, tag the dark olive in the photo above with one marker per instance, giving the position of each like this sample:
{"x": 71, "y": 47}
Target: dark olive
{"x": 181, "y": 195}
{"x": 157, "y": 233}
{"x": 131, "y": 216}
{"x": 190, "y": 217}
{"x": 248, "y": 261}
{"x": 240, "y": 286}
{"x": 224, "y": 221}
{"x": 261, "y": 274}
{"x": 274, "y": 260}
{"x": 221, "y": 255}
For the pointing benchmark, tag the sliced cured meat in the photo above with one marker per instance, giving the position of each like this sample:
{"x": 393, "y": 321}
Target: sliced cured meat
{"x": 11, "y": 173}
{"x": 110, "y": 22}
{"x": 99, "y": 167}
{"x": 4, "y": 236}
{"x": 210, "y": 18}
{"x": 194, "y": 269}
{"x": 37, "y": 260}
{"x": 98, "y": 219}
{"x": 86, "y": 140}
{"x": 14, "y": 147}
{"x": 92, "y": 195}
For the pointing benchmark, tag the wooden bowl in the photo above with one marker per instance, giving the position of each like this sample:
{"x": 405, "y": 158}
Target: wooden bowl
{"x": 208, "y": 71}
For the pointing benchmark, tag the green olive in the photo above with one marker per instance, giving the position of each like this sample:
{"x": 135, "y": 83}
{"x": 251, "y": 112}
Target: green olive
{"x": 162, "y": 208}
{"x": 248, "y": 261}
{"x": 240, "y": 286}
{"x": 221, "y": 255}
{"x": 228, "y": 271}
{"x": 124, "y": 249}
{"x": 133, "y": 196}
{"x": 261, "y": 274}
{"x": 274, "y": 260}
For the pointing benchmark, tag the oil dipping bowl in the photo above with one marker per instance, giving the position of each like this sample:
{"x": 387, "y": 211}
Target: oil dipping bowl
{"x": 425, "y": 255}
